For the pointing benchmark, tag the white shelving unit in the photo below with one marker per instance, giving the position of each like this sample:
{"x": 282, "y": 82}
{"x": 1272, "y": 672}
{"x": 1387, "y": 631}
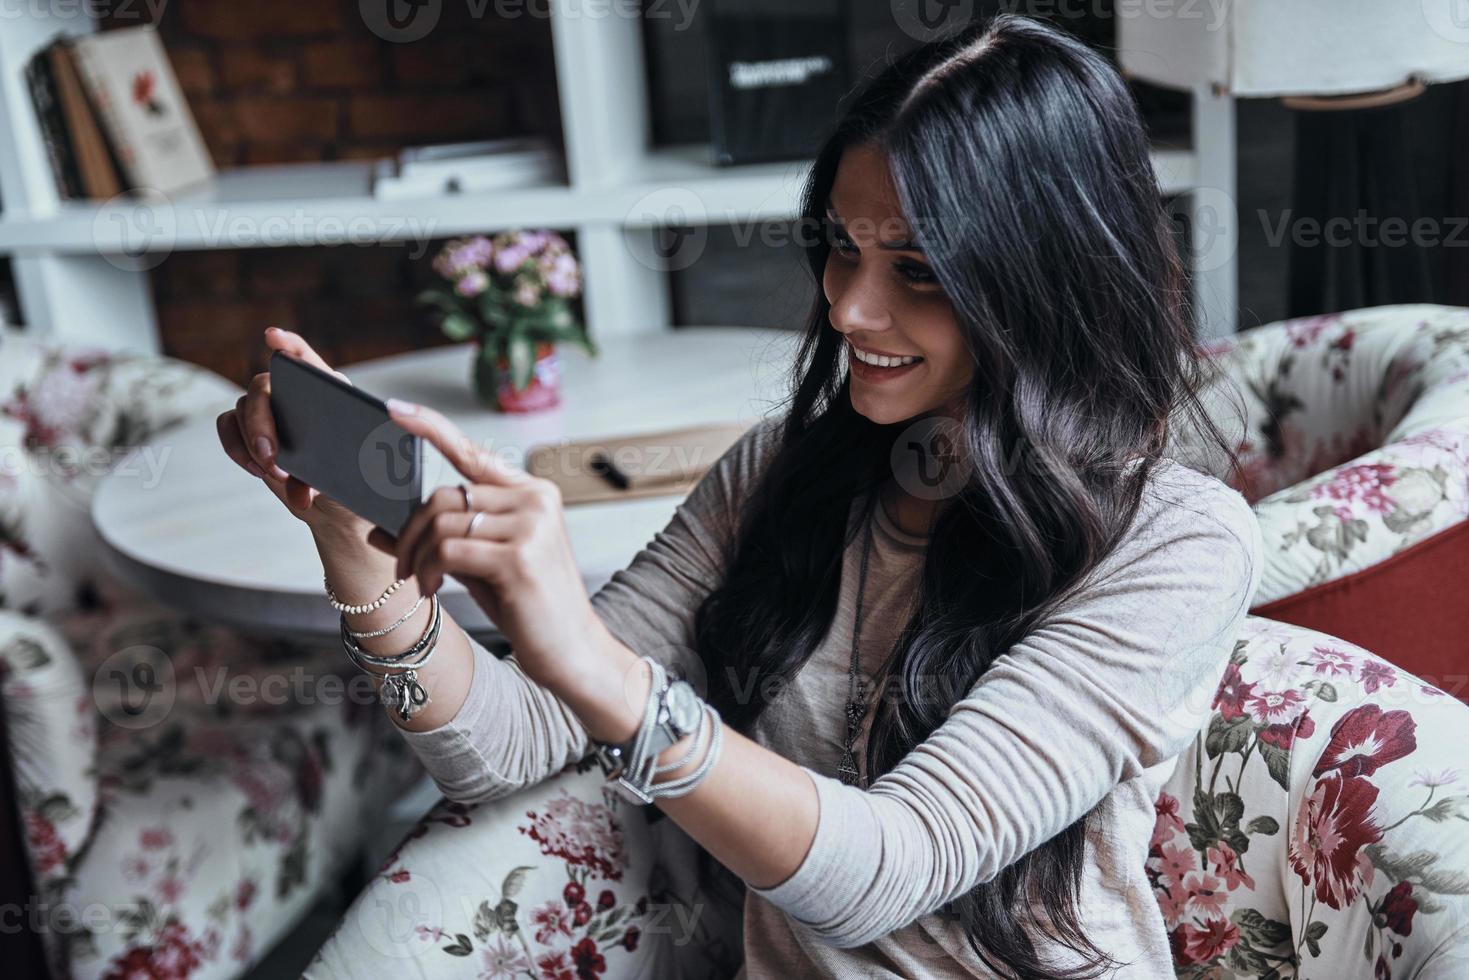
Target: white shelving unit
{"x": 81, "y": 267}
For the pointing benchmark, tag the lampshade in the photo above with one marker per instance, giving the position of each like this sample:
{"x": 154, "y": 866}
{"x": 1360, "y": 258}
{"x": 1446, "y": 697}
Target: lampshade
{"x": 1293, "y": 47}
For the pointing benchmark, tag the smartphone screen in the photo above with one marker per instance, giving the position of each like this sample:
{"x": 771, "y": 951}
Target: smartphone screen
{"x": 341, "y": 441}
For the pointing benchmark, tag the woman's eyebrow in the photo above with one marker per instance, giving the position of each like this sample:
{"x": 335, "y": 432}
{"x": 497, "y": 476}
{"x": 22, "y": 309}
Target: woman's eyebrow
{"x": 902, "y": 245}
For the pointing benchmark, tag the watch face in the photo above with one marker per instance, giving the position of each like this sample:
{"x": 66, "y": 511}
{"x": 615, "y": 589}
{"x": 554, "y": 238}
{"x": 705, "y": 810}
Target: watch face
{"x": 685, "y": 709}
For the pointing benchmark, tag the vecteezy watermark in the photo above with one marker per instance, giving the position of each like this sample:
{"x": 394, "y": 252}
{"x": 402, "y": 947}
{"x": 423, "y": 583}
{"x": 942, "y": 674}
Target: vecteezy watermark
{"x": 135, "y": 687}
{"x": 1213, "y": 221}
{"x": 1449, "y": 19}
{"x": 927, "y": 20}
{"x": 136, "y": 232}
{"x": 112, "y": 11}
{"x": 67, "y": 462}
{"x": 38, "y": 915}
{"x": 1367, "y": 230}
{"x": 680, "y": 224}
{"x": 683, "y": 219}
{"x": 401, "y": 914}
{"x": 928, "y": 458}
{"x": 406, "y": 21}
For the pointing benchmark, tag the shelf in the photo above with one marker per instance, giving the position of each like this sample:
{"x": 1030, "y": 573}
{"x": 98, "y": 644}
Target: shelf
{"x": 331, "y": 204}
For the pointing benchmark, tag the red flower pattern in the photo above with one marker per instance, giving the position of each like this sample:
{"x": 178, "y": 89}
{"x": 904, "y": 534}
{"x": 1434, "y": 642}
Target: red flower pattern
{"x": 1366, "y": 739}
{"x": 1330, "y": 832}
{"x": 1398, "y": 907}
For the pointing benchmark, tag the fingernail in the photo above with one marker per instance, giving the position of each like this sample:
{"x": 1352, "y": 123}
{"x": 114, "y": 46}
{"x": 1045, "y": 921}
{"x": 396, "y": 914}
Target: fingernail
{"x": 279, "y": 473}
{"x": 263, "y": 446}
{"x": 398, "y": 406}
{"x": 254, "y": 470}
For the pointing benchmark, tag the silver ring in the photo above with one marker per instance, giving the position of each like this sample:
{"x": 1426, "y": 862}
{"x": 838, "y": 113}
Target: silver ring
{"x": 468, "y": 500}
{"x": 479, "y": 515}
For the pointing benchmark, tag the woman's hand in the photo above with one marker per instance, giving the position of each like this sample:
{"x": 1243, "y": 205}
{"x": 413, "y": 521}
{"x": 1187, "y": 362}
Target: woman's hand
{"x": 518, "y": 565}
{"x": 248, "y": 435}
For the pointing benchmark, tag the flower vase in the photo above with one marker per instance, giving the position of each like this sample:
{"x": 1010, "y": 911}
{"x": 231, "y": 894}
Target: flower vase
{"x": 495, "y": 388}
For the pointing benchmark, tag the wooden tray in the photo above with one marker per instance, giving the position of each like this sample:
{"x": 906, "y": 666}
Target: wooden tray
{"x": 668, "y": 461}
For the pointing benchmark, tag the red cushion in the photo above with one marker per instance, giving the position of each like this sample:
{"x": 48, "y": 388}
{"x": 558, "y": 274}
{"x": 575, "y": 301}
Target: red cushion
{"x": 1412, "y": 609}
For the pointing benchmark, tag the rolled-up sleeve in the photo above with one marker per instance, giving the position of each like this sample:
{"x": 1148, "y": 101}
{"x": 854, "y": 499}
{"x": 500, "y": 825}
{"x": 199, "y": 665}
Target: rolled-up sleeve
{"x": 1117, "y": 680}
{"x": 512, "y": 732}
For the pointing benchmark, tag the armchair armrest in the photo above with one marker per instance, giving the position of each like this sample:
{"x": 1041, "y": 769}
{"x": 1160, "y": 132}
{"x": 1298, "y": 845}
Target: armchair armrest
{"x": 51, "y": 723}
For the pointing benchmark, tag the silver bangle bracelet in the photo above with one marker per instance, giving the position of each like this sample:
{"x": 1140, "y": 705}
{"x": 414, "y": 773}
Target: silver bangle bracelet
{"x": 388, "y": 629}
{"x": 400, "y": 687}
{"x": 684, "y": 784}
{"x": 641, "y": 768}
{"x": 430, "y": 634}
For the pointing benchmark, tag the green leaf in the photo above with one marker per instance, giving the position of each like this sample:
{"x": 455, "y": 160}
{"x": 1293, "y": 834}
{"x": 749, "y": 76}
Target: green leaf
{"x": 1326, "y": 692}
{"x": 460, "y": 947}
{"x": 446, "y": 301}
{"x": 515, "y": 880}
{"x": 1314, "y": 932}
{"x": 1449, "y": 806}
{"x": 1227, "y": 736}
{"x": 1259, "y": 930}
{"x": 522, "y": 360}
{"x": 1277, "y": 760}
{"x": 457, "y": 326}
{"x": 1230, "y": 809}
{"x": 1263, "y": 825}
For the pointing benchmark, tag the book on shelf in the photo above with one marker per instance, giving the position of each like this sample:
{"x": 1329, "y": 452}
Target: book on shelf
{"x": 466, "y": 168}
{"x": 113, "y": 117}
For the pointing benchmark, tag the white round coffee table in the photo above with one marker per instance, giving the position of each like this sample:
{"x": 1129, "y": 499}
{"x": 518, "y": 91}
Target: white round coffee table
{"x": 200, "y": 534}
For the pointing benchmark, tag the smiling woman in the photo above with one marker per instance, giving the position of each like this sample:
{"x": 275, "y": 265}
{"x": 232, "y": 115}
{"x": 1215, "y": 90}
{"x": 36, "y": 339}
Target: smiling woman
{"x": 941, "y": 695}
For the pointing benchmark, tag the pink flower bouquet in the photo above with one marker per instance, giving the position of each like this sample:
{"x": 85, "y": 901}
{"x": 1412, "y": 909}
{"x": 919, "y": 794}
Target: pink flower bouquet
{"x": 511, "y": 294}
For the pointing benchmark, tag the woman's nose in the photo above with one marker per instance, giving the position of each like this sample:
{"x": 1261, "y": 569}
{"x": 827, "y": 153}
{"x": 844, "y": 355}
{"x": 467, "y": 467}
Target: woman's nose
{"x": 859, "y": 308}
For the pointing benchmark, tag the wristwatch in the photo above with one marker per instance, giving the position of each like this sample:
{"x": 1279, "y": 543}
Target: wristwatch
{"x": 680, "y": 711}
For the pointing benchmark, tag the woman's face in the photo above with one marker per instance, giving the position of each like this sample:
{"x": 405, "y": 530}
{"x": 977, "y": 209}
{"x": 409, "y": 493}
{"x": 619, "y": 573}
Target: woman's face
{"x": 886, "y": 303}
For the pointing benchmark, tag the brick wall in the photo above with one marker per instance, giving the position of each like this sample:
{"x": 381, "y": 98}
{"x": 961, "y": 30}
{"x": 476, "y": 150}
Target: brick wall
{"x": 297, "y": 81}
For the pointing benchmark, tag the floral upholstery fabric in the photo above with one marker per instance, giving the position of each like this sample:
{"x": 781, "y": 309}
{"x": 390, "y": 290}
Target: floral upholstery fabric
{"x": 185, "y": 791}
{"x": 1319, "y": 827}
{"x": 561, "y": 880}
{"x": 67, "y": 417}
{"x": 1354, "y": 436}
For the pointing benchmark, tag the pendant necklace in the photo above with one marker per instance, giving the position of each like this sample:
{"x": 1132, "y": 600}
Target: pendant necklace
{"x": 857, "y": 694}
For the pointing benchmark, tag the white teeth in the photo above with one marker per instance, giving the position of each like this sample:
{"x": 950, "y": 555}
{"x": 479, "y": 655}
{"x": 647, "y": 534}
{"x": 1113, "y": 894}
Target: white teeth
{"x": 882, "y": 360}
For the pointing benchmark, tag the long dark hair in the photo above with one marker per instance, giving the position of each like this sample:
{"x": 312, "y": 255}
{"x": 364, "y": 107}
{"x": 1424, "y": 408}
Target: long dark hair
{"x": 1019, "y": 156}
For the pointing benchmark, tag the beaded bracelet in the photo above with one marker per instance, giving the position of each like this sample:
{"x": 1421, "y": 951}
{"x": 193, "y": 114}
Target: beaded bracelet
{"x": 341, "y": 606}
{"x": 388, "y": 629}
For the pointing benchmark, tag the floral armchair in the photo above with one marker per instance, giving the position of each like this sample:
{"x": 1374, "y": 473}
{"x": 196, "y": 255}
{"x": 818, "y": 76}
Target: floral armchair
{"x": 1355, "y": 454}
{"x": 170, "y": 828}
{"x": 1317, "y": 827}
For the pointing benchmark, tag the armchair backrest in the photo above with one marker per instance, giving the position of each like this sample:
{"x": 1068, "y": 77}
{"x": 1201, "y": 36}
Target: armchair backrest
{"x": 1320, "y": 819}
{"x": 67, "y": 416}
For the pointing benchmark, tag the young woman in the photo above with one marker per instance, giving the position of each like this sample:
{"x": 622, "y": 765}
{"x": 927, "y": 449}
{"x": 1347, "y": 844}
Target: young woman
{"x": 1048, "y": 626}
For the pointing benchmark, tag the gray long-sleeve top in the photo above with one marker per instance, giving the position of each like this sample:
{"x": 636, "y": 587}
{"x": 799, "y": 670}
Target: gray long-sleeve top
{"x": 1092, "y": 707}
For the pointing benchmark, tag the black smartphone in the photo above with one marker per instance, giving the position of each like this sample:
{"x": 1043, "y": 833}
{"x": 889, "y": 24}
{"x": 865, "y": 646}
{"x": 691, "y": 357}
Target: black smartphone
{"x": 341, "y": 441}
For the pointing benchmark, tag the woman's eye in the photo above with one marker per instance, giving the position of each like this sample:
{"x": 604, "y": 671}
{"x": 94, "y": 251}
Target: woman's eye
{"x": 914, "y": 272}
{"x": 844, "y": 244}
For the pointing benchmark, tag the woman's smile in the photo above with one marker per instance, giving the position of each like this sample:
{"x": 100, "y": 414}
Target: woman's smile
{"x": 877, "y": 367}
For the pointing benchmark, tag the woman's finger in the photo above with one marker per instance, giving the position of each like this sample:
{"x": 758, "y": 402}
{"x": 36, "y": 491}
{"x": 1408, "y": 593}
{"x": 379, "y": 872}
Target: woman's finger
{"x": 294, "y": 344}
{"x": 258, "y": 425}
{"x": 490, "y": 499}
{"x": 455, "y": 524}
{"x": 479, "y": 558}
{"x": 234, "y": 443}
{"x": 479, "y": 465}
